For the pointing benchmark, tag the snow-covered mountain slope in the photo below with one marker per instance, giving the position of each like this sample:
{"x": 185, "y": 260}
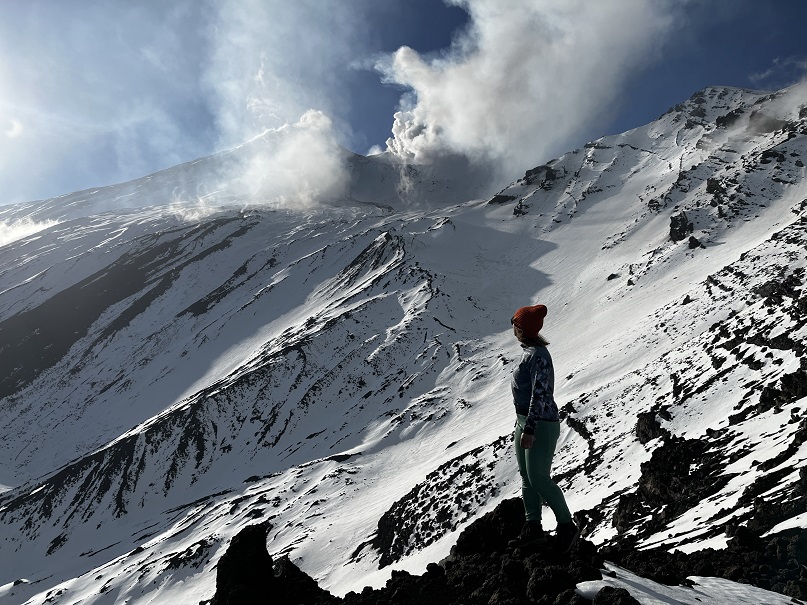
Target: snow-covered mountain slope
{"x": 343, "y": 370}
{"x": 233, "y": 178}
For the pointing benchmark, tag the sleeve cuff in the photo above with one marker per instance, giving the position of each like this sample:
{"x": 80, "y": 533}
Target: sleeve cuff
{"x": 529, "y": 430}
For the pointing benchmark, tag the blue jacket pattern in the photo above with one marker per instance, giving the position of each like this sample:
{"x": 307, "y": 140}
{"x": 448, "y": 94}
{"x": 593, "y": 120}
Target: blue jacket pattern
{"x": 533, "y": 387}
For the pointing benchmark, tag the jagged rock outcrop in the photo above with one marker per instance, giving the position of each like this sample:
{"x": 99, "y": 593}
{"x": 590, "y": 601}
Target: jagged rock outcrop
{"x": 247, "y": 574}
{"x": 242, "y": 576}
{"x": 680, "y": 227}
{"x": 482, "y": 569}
{"x": 648, "y": 427}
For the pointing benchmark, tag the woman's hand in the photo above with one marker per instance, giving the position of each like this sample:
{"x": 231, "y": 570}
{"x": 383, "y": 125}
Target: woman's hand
{"x": 527, "y": 440}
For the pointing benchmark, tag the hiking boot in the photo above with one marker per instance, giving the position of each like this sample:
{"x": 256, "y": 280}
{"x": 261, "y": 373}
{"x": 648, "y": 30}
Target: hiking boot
{"x": 531, "y": 533}
{"x": 565, "y": 537}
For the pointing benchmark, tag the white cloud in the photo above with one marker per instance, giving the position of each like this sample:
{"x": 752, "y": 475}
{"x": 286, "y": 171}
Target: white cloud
{"x": 274, "y": 68}
{"x": 102, "y": 92}
{"x": 272, "y": 60}
{"x": 781, "y": 73}
{"x": 525, "y": 79}
{"x": 145, "y": 86}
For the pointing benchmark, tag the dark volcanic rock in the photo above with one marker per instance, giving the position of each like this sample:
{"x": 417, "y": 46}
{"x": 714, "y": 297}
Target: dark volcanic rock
{"x": 483, "y": 570}
{"x": 792, "y": 386}
{"x": 543, "y": 174}
{"x": 501, "y": 198}
{"x": 242, "y": 572}
{"x": 425, "y": 514}
{"x": 648, "y": 427}
{"x": 774, "y": 563}
{"x": 500, "y": 526}
{"x": 614, "y": 596}
{"x": 680, "y": 227}
{"x": 521, "y": 209}
{"x": 729, "y": 118}
{"x": 714, "y": 186}
{"x": 774, "y": 291}
{"x": 292, "y": 585}
{"x": 680, "y": 473}
{"x": 246, "y": 574}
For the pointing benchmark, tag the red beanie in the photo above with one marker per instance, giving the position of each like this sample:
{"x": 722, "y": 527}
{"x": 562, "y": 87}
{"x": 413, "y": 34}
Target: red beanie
{"x": 530, "y": 320}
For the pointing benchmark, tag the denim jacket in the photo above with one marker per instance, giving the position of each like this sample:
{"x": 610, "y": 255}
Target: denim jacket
{"x": 533, "y": 385}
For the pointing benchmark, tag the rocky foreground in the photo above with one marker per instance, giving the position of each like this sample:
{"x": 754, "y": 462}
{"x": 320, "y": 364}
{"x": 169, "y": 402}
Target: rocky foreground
{"x": 482, "y": 569}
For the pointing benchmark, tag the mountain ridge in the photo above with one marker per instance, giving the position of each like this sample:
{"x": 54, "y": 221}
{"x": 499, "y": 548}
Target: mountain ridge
{"x": 305, "y": 327}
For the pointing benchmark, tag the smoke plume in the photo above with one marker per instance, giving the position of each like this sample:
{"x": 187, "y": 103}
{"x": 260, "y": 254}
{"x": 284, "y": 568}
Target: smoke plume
{"x": 271, "y": 77}
{"x": 524, "y": 80}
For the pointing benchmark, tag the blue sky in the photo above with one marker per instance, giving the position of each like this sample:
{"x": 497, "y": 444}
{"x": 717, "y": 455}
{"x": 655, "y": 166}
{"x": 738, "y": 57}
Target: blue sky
{"x": 95, "y": 92}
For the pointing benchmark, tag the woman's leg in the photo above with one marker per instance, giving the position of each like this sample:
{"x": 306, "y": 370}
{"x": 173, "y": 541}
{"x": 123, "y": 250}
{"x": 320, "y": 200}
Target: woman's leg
{"x": 538, "y": 465}
{"x": 531, "y": 498}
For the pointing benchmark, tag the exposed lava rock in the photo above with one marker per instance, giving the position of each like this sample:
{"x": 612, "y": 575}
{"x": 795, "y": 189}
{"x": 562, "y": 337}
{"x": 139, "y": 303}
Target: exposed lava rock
{"x": 771, "y": 510}
{"x": 482, "y": 569}
{"x": 543, "y": 174}
{"x": 449, "y": 496}
{"x": 774, "y": 291}
{"x": 773, "y": 563}
{"x": 792, "y": 387}
{"x": 246, "y": 574}
{"x": 241, "y": 574}
{"x": 500, "y": 526}
{"x": 680, "y": 227}
{"x": 614, "y": 596}
{"x": 501, "y": 198}
{"x": 648, "y": 427}
{"x": 729, "y": 118}
{"x": 520, "y": 209}
{"x": 714, "y": 186}
{"x": 680, "y": 473}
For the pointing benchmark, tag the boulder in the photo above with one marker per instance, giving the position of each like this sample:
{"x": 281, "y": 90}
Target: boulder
{"x": 680, "y": 227}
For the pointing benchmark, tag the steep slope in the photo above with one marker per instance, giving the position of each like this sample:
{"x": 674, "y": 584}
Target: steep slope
{"x": 344, "y": 373}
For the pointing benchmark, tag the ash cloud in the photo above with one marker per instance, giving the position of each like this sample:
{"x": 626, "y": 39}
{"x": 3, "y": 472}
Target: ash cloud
{"x": 148, "y": 86}
{"x": 525, "y": 78}
{"x": 300, "y": 165}
{"x": 272, "y": 80}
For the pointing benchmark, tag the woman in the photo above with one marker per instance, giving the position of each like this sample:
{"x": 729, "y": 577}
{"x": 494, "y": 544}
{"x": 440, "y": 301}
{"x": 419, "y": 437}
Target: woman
{"x": 537, "y": 431}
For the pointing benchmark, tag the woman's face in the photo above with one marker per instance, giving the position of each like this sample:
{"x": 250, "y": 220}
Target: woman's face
{"x": 519, "y": 334}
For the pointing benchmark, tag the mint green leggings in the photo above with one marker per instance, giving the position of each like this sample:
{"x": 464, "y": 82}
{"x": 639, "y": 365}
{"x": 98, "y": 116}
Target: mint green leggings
{"x": 534, "y": 465}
